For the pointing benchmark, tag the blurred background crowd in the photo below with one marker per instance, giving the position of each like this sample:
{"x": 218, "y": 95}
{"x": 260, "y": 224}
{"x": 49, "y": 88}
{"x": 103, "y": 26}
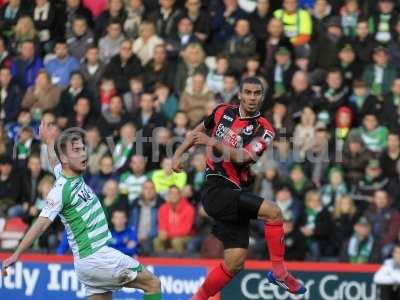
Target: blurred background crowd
{"x": 118, "y": 68}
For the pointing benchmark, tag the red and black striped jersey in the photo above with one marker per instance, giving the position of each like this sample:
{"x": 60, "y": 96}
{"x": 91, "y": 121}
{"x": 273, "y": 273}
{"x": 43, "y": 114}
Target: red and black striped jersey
{"x": 254, "y": 134}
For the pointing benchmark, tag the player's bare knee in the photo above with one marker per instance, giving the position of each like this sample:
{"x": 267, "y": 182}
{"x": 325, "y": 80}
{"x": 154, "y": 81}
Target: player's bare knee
{"x": 272, "y": 213}
{"x": 154, "y": 285}
{"x": 236, "y": 266}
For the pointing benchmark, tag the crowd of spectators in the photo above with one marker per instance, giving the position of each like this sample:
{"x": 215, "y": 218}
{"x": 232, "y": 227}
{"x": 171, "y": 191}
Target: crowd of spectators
{"x": 127, "y": 70}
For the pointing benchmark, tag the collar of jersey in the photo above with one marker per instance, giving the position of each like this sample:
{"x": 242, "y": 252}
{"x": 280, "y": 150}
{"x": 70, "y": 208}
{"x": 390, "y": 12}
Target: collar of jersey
{"x": 70, "y": 177}
{"x": 247, "y": 118}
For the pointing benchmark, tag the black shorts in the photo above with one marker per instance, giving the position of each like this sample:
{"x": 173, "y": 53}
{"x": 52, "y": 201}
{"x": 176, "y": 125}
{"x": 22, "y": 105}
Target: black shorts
{"x": 232, "y": 209}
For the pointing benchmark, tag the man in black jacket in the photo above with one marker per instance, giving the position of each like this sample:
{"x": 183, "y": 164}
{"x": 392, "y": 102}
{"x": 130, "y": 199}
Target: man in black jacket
{"x": 123, "y": 66}
{"x": 10, "y": 97}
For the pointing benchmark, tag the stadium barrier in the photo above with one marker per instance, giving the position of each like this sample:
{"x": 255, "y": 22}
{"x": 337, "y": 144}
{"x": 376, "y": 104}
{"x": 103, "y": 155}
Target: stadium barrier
{"x": 39, "y": 276}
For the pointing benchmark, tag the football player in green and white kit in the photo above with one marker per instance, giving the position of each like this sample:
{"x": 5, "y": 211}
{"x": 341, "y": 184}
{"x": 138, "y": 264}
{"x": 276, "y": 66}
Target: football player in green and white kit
{"x": 100, "y": 268}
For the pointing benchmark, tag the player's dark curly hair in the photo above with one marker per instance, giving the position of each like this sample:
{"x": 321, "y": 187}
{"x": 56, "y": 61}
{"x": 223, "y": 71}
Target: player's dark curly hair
{"x": 251, "y": 80}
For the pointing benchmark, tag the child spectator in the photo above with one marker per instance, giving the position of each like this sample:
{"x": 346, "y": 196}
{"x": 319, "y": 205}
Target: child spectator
{"x": 123, "y": 238}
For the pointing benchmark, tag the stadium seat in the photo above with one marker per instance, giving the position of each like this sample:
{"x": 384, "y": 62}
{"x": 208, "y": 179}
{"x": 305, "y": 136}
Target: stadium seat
{"x": 13, "y": 232}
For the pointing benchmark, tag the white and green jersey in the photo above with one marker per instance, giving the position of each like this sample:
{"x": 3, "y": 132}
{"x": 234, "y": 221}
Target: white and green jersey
{"x": 80, "y": 211}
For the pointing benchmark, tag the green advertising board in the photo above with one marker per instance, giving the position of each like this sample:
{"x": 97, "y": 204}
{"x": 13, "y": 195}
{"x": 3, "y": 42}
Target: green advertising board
{"x": 253, "y": 285}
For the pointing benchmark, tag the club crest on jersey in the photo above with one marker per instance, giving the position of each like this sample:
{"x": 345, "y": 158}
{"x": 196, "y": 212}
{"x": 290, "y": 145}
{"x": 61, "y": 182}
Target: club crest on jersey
{"x": 268, "y": 136}
{"x": 248, "y": 130}
{"x": 228, "y": 118}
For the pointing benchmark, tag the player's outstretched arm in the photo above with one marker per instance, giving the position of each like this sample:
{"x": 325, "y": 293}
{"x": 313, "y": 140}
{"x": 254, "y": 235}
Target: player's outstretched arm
{"x": 187, "y": 143}
{"x": 48, "y": 134}
{"x": 37, "y": 229}
{"x": 236, "y": 155}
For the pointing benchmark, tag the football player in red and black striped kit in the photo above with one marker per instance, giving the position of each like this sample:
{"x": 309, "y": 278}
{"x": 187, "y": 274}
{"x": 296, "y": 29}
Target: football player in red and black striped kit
{"x": 236, "y": 136}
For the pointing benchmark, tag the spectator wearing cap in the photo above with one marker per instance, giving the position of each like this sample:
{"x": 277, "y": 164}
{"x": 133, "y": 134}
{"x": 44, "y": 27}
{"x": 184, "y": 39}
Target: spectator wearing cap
{"x": 9, "y": 185}
{"x": 320, "y": 14}
{"x": 114, "y": 13}
{"x": 372, "y": 181}
{"x": 355, "y": 159}
{"x": 363, "y": 43}
{"x": 62, "y": 65}
{"x": 388, "y": 276}
{"x": 110, "y": 44}
{"x": 316, "y": 225}
{"x": 384, "y": 219}
{"x": 362, "y": 102}
{"x": 324, "y": 50}
{"x": 297, "y": 23}
{"x": 183, "y": 37}
{"x": 391, "y": 107}
{"x": 240, "y": 46}
{"x": 349, "y": 13}
{"x": 80, "y": 38}
{"x": 281, "y": 74}
{"x": 382, "y": 23}
{"x": 342, "y": 127}
{"x": 144, "y": 45}
{"x": 166, "y": 18}
{"x": 10, "y": 97}
{"x": 348, "y": 64}
{"x": 123, "y": 66}
{"x": 193, "y": 99}
{"x": 361, "y": 248}
{"x": 26, "y": 66}
{"x": 295, "y": 241}
{"x": 344, "y": 216}
{"x": 380, "y": 75}
{"x": 275, "y": 39}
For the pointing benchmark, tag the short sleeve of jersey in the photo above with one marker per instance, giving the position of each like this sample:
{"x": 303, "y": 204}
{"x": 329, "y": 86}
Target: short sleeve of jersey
{"x": 260, "y": 143}
{"x": 53, "y": 204}
{"x": 57, "y": 170}
{"x": 209, "y": 122}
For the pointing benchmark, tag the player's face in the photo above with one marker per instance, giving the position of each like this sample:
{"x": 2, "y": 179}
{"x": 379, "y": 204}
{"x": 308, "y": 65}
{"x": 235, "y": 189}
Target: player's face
{"x": 77, "y": 156}
{"x": 250, "y": 97}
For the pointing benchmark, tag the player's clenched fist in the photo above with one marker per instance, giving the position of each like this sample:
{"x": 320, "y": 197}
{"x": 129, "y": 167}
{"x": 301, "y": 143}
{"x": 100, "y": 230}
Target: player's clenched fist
{"x": 7, "y": 263}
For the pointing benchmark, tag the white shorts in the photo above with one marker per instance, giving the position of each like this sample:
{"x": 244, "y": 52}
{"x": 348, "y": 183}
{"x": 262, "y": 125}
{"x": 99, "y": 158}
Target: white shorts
{"x": 106, "y": 270}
